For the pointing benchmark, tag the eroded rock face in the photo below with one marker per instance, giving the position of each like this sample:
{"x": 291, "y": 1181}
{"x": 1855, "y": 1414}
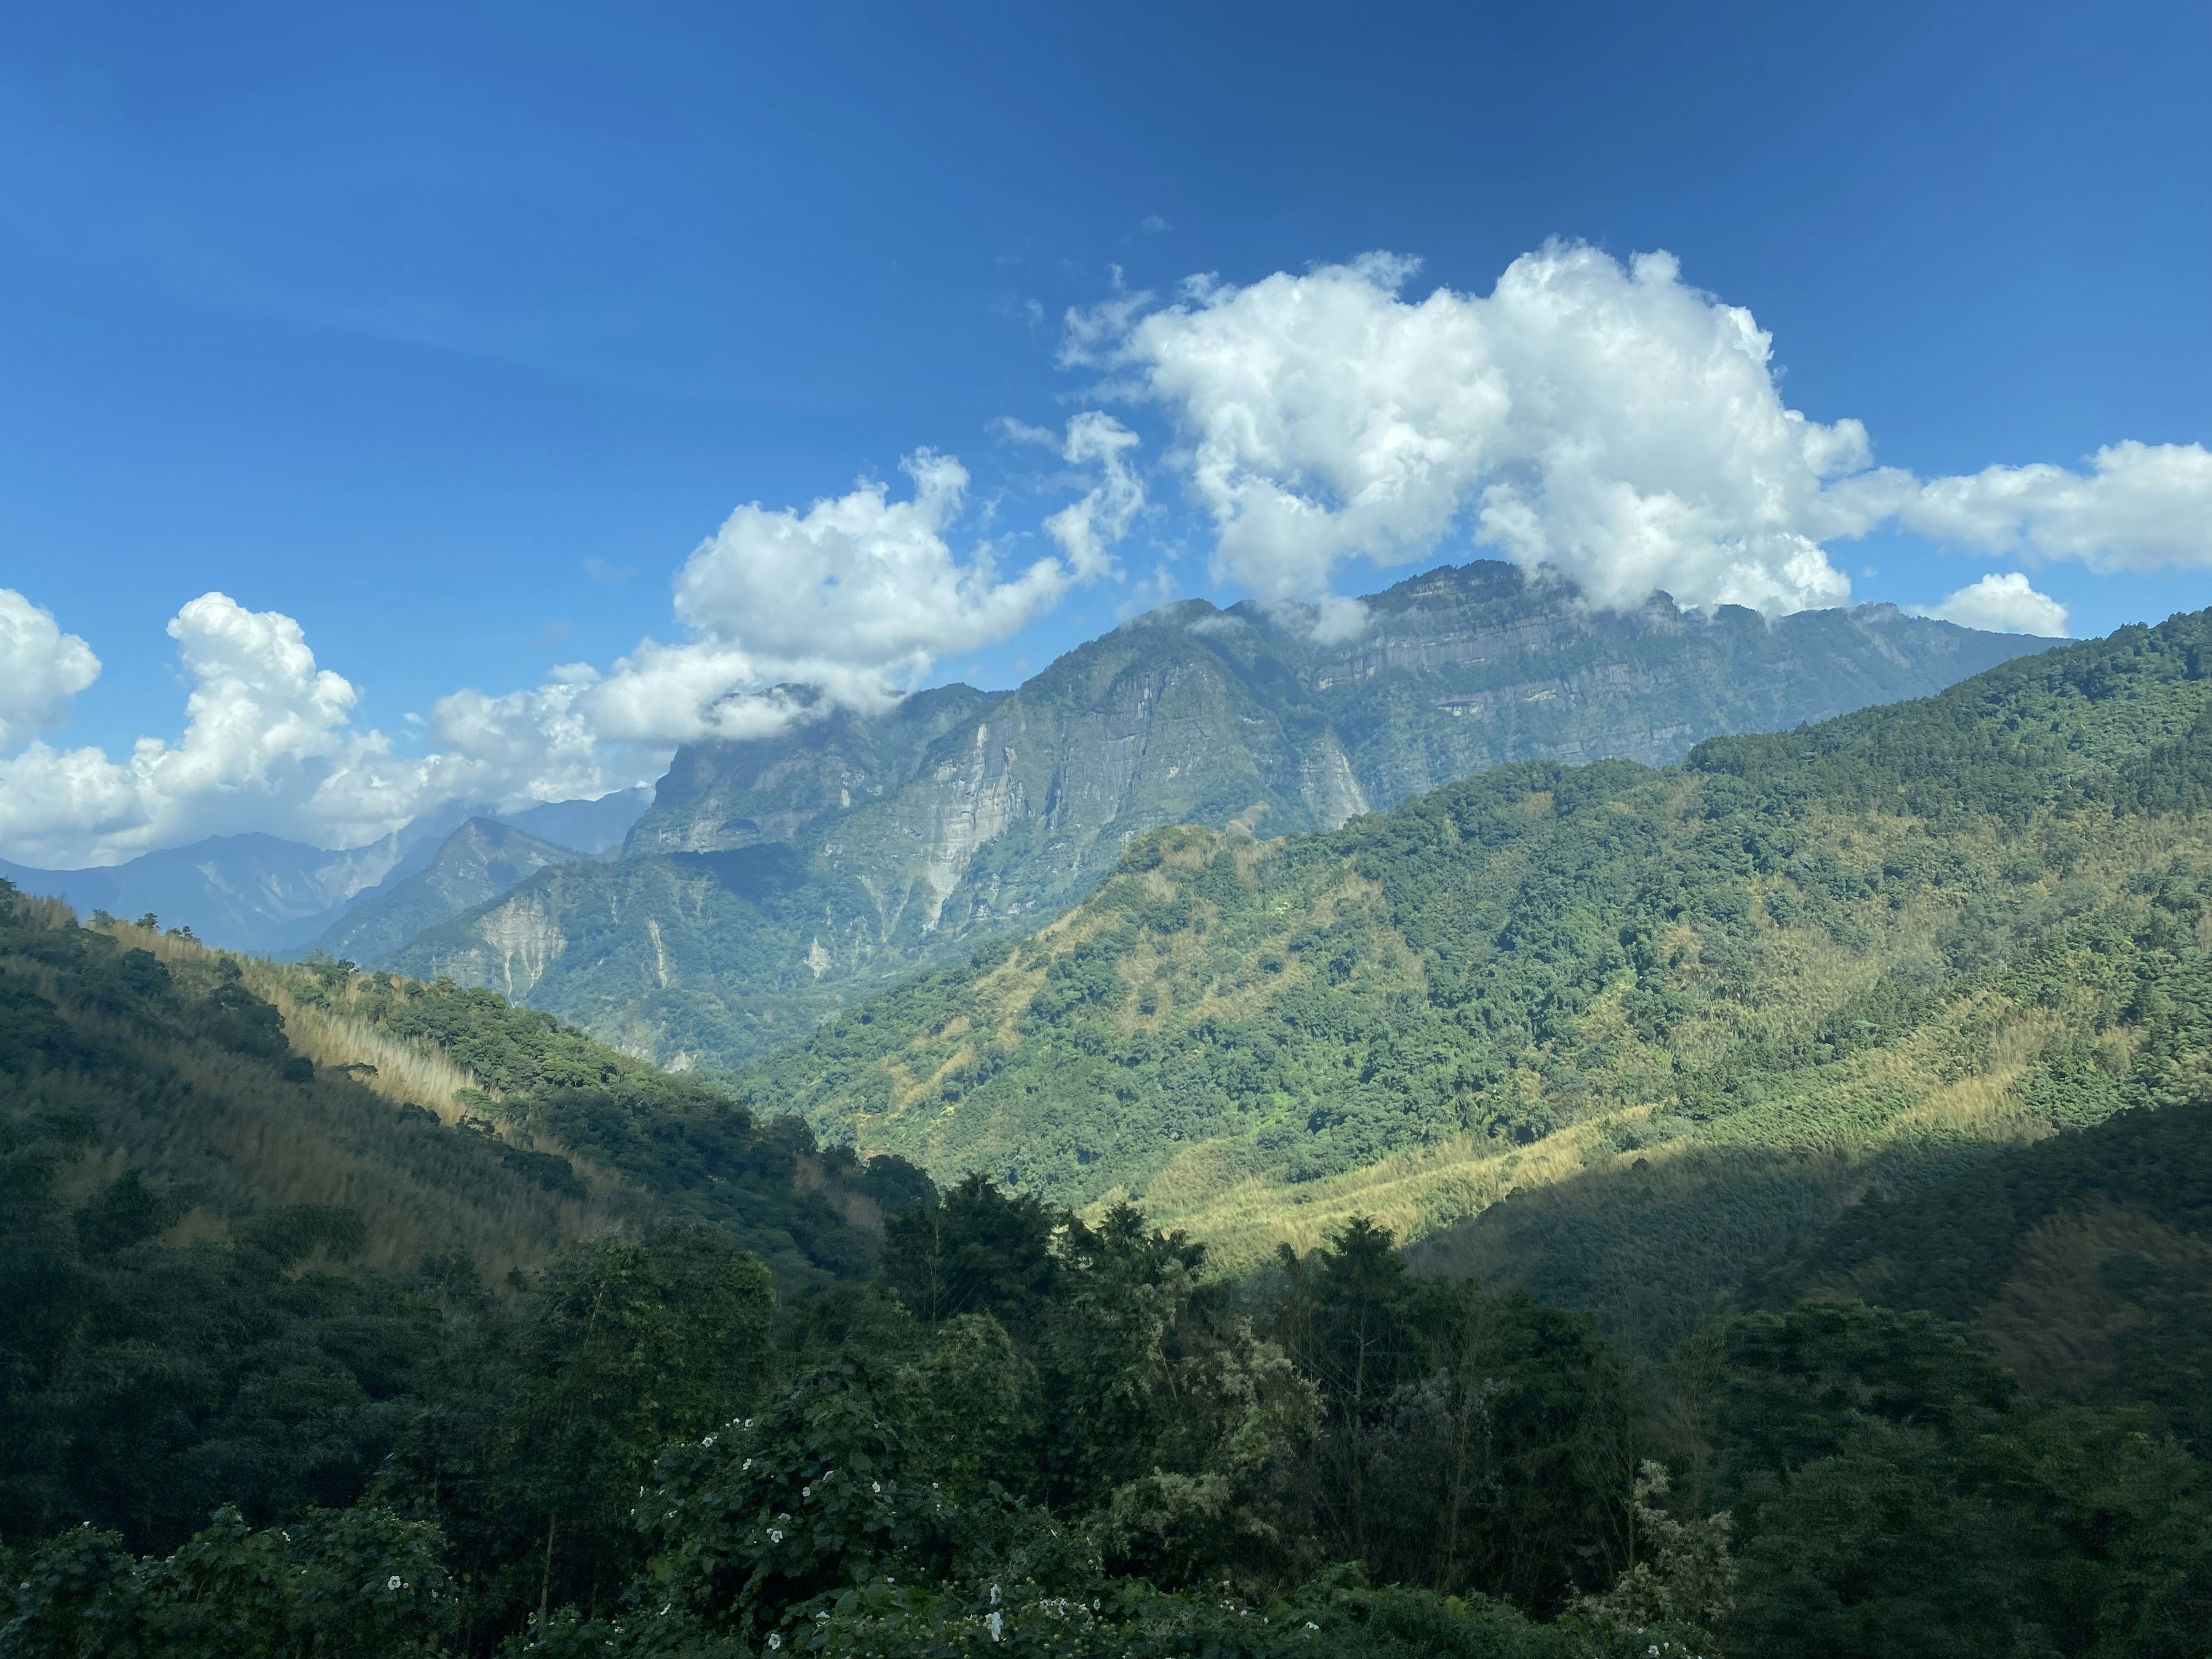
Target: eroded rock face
{"x": 1196, "y": 714}
{"x": 474, "y": 865}
{"x": 514, "y": 943}
{"x": 736, "y": 795}
{"x": 961, "y": 813}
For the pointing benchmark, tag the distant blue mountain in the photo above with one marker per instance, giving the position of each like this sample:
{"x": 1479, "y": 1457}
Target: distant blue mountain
{"x": 595, "y": 827}
{"x": 267, "y": 895}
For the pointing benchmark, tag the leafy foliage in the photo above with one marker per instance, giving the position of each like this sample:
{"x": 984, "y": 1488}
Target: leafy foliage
{"x": 1089, "y": 1446}
{"x": 345, "y": 1582}
{"x": 2086, "y": 1258}
{"x": 1896, "y": 1499}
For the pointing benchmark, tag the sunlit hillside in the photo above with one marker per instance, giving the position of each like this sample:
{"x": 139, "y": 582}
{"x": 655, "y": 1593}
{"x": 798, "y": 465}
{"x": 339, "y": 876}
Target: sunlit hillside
{"x": 1713, "y": 1002}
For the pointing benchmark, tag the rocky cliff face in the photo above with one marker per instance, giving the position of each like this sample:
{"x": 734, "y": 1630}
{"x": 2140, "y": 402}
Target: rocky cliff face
{"x": 964, "y": 813}
{"x": 477, "y": 863}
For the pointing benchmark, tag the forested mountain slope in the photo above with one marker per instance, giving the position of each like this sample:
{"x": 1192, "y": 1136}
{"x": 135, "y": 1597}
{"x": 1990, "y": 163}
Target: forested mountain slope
{"x": 776, "y": 880}
{"x": 154, "y": 1078}
{"x": 234, "y": 1198}
{"x": 197, "y": 1220}
{"x": 1025, "y": 1432}
{"x": 1681, "y": 1016}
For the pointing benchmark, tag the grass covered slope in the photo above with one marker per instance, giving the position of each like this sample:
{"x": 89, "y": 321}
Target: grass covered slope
{"x": 810, "y": 1214}
{"x": 1745, "y": 986}
{"x": 418, "y": 1119}
{"x": 154, "y": 1081}
{"x": 201, "y": 1230}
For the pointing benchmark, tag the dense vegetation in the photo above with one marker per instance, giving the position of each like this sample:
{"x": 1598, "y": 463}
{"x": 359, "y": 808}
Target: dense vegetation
{"x": 195, "y": 1212}
{"x": 170, "y": 1168}
{"x": 2085, "y": 1259}
{"x": 1026, "y": 1430}
{"x": 1750, "y": 984}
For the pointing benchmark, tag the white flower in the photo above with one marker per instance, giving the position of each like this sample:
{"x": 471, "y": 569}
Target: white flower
{"x": 997, "y": 1624}
{"x": 775, "y": 1535}
{"x": 749, "y": 1464}
{"x": 879, "y": 1485}
{"x": 708, "y": 1441}
{"x": 391, "y": 1583}
{"x": 806, "y": 1492}
{"x": 774, "y": 1641}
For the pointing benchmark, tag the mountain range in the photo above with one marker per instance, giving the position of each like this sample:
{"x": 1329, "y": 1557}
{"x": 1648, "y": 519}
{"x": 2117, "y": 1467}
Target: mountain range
{"x": 480, "y": 861}
{"x": 262, "y": 893}
{"x": 1607, "y": 1033}
{"x": 776, "y": 880}
{"x": 1799, "y": 1152}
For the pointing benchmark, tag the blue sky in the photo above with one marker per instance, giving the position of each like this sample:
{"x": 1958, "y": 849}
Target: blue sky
{"x": 450, "y": 332}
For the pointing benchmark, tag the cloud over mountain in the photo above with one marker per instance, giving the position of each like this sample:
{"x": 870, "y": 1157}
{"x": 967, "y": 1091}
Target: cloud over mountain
{"x": 2003, "y": 604}
{"x": 1608, "y": 419}
{"x": 857, "y": 597}
{"x": 1605, "y": 420}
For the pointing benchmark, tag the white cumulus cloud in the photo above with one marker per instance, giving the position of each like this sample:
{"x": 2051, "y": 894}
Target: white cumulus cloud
{"x": 264, "y": 728}
{"x": 2003, "y": 605}
{"x": 1087, "y": 528}
{"x": 861, "y": 594}
{"x": 2140, "y": 507}
{"x": 854, "y": 600}
{"x": 1607, "y": 420}
{"x": 269, "y": 744}
{"x": 41, "y": 668}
